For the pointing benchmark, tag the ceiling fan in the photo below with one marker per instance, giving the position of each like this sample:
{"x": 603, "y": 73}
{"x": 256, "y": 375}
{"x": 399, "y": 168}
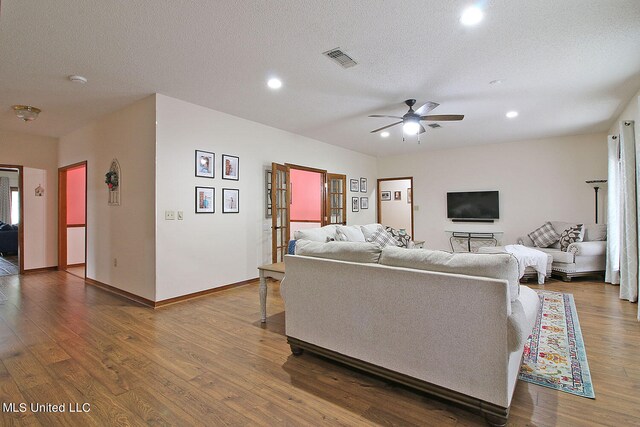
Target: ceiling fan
{"x": 411, "y": 120}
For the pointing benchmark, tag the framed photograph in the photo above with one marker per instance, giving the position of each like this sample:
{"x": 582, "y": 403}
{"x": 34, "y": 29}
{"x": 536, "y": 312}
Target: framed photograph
{"x": 363, "y": 185}
{"x": 409, "y": 195}
{"x": 355, "y": 204}
{"x": 364, "y": 203}
{"x": 230, "y": 200}
{"x": 354, "y": 185}
{"x": 397, "y": 195}
{"x": 205, "y": 162}
{"x": 205, "y": 200}
{"x": 230, "y": 165}
{"x": 385, "y": 195}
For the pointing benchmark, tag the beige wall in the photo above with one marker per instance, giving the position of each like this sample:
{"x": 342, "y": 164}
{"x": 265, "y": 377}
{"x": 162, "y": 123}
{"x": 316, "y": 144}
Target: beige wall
{"x": 210, "y": 250}
{"x": 538, "y": 180}
{"x": 126, "y": 232}
{"x": 38, "y": 155}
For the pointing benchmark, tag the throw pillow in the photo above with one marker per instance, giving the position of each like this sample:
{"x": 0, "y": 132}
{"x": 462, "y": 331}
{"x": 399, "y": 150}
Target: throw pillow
{"x": 382, "y": 238}
{"x": 403, "y": 239}
{"x": 349, "y": 234}
{"x": 544, "y": 236}
{"x": 571, "y": 235}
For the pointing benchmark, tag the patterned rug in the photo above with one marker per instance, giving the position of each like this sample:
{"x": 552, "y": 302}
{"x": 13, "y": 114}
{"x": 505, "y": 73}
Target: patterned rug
{"x": 554, "y": 355}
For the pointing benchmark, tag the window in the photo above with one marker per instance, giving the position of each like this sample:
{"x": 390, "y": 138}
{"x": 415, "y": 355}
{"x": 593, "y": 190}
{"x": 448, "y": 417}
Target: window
{"x": 15, "y": 206}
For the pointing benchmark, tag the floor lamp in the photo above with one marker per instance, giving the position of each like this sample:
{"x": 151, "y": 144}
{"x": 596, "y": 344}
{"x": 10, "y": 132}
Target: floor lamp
{"x": 596, "y": 184}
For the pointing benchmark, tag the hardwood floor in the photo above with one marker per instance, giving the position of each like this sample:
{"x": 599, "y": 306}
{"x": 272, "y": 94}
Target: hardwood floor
{"x": 209, "y": 361}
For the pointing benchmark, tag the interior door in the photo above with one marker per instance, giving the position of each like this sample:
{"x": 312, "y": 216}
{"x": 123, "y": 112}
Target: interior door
{"x": 336, "y": 199}
{"x": 280, "y": 212}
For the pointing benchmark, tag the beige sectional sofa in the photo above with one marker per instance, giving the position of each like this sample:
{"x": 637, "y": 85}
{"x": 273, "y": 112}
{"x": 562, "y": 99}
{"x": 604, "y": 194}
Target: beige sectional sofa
{"x": 453, "y": 325}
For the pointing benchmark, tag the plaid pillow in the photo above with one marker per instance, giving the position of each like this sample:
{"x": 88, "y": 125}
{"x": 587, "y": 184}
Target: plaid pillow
{"x": 402, "y": 238}
{"x": 544, "y": 236}
{"x": 571, "y": 235}
{"x": 382, "y": 238}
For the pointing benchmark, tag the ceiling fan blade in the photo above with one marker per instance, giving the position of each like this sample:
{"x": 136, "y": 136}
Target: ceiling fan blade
{"x": 443, "y": 117}
{"x": 427, "y": 107}
{"x": 381, "y": 115}
{"x": 387, "y": 126}
{"x": 422, "y": 130}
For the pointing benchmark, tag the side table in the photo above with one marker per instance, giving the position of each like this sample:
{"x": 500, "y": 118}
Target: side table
{"x": 275, "y": 271}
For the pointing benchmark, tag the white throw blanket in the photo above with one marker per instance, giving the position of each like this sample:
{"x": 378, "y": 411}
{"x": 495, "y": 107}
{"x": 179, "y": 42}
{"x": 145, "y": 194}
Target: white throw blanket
{"x": 529, "y": 257}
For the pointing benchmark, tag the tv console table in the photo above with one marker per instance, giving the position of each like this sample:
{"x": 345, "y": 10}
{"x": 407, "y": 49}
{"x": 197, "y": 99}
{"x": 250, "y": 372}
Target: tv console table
{"x": 470, "y": 241}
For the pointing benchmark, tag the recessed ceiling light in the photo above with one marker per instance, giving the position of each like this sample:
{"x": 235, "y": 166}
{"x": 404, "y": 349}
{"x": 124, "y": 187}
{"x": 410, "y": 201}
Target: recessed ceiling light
{"x": 274, "y": 83}
{"x": 384, "y": 134}
{"x": 78, "y": 79}
{"x": 471, "y": 16}
{"x": 512, "y": 114}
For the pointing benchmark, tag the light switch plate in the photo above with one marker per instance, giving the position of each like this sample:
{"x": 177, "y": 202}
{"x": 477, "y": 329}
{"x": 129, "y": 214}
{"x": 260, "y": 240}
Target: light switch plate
{"x": 180, "y": 215}
{"x": 169, "y": 215}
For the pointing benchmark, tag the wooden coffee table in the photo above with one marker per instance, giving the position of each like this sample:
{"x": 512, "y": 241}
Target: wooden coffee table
{"x": 275, "y": 271}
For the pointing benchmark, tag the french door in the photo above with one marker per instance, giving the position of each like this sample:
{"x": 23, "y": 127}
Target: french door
{"x": 280, "y": 233}
{"x": 336, "y": 199}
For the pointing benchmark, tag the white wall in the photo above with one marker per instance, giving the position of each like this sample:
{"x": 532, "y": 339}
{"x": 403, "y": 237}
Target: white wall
{"x": 538, "y": 181}
{"x": 396, "y": 213}
{"x": 75, "y": 245}
{"x": 210, "y": 250}
{"x": 125, "y": 232}
{"x": 38, "y": 155}
{"x": 630, "y": 112}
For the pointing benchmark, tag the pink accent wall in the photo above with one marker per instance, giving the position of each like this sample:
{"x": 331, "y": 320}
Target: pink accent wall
{"x": 76, "y": 185}
{"x": 306, "y": 195}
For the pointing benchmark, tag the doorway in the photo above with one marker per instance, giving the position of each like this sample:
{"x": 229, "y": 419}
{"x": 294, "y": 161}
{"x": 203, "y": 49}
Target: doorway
{"x": 72, "y": 214}
{"x": 395, "y": 203}
{"x": 11, "y": 220}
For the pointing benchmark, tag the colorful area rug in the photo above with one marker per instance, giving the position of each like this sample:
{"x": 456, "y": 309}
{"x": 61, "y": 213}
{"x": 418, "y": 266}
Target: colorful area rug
{"x": 554, "y": 355}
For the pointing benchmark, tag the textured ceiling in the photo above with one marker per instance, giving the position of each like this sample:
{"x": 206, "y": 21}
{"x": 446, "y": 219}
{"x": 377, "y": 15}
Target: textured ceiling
{"x": 568, "y": 67}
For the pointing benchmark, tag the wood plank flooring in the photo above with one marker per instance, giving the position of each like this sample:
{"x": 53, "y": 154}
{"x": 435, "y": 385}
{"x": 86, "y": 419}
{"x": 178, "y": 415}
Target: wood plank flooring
{"x": 210, "y": 362}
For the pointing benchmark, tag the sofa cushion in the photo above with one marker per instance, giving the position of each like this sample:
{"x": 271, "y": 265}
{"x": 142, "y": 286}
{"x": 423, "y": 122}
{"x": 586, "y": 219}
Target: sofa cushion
{"x": 349, "y": 234}
{"x": 343, "y": 251}
{"x": 497, "y": 266}
{"x": 403, "y": 239}
{"x": 5, "y": 227}
{"x": 382, "y": 238}
{"x": 558, "y": 255}
{"x": 319, "y": 234}
{"x": 544, "y": 236}
{"x": 571, "y": 235}
{"x": 595, "y": 233}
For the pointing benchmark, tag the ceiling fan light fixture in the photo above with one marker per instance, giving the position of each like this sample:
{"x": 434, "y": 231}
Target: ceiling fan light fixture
{"x": 411, "y": 127}
{"x": 26, "y": 113}
{"x": 471, "y": 16}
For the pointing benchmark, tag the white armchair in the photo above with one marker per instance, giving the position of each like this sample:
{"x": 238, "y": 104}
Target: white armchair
{"x": 586, "y": 258}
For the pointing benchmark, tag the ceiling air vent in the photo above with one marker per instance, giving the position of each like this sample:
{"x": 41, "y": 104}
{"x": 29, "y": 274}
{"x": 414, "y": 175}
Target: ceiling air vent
{"x": 344, "y": 60}
{"x": 434, "y": 125}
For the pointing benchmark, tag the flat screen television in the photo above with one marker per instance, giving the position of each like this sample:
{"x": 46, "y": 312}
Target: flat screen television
{"x": 473, "y": 205}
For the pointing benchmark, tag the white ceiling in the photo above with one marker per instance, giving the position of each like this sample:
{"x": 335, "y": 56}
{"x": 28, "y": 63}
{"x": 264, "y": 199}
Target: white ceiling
{"x": 569, "y": 67}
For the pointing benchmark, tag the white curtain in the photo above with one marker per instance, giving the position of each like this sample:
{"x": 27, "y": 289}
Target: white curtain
{"x": 5, "y": 200}
{"x": 614, "y": 213}
{"x": 628, "y": 207}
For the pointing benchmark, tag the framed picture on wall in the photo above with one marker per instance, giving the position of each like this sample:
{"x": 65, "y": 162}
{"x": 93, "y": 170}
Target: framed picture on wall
{"x": 397, "y": 195}
{"x": 205, "y": 200}
{"x": 364, "y": 203}
{"x": 354, "y": 185}
{"x": 355, "y": 204}
{"x": 363, "y": 185}
{"x": 205, "y": 164}
{"x": 385, "y": 195}
{"x": 230, "y": 200}
{"x": 409, "y": 195}
{"x": 230, "y": 167}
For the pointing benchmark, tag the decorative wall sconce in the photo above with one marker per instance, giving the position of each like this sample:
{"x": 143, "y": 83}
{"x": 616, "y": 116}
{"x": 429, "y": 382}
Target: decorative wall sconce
{"x": 39, "y": 191}
{"x": 113, "y": 179}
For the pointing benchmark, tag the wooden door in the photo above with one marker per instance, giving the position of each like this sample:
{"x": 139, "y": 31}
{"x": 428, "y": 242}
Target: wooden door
{"x": 336, "y": 199}
{"x": 280, "y": 212}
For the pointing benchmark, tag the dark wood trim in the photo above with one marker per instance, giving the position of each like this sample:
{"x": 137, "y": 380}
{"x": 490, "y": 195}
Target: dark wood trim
{"x": 378, "y": 201}
{"x": 120, "y": 292}
{"x": 198, "y": 294}
{"x": 343, "y": 178}
{"x": 494, "y": 414}
{"x": 306, "y": 220}
{"x": 40, "y": 270}
{"x": 20, "y": 170}
{"x": 76, "y": 225}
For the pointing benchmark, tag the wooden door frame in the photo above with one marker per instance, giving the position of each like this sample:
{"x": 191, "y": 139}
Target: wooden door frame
{"x": 343, "y": 177}
{"x": 62, "y": 214}
{"x": 323, "y": 208}
{"x": 378, "y": 201}
{"x": 21, "y": 213}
